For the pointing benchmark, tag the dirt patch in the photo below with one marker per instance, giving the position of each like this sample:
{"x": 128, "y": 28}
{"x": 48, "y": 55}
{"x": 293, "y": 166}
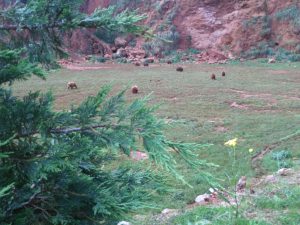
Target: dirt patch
{"x": 83, "y": 68}
{"x": 278, "y": 72}
{"x": 238, "y": 106}
{"x": 221, "y": 129}
{"x": 291, "y": 97}
{"x": 264, "y": 96}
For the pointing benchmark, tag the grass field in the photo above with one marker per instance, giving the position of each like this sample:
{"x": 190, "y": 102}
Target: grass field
{"x": 256, "y": 102}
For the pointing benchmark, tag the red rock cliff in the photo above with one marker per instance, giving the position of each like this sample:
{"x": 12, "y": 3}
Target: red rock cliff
{"x": 231, "y": 27}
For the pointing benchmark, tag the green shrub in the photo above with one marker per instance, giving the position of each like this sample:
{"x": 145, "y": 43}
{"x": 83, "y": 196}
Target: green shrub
{"x": 267, "y": 49}
{"x": 193, "y": 51}
{"x": 292, "y": 15}
{"x": 122, "y": 60}
{"x": 132, "y": 43}
{"x": 266, "y": 30}
{"x": 277, "y": 160}
{"x": 281, "y": 155}
{"x": 107, "y": 36}
{"x": 285, "y": 55}
{"x": 263, "y": 49}
{"x": 251, "y": 22}
{"x": 165, "y": 41}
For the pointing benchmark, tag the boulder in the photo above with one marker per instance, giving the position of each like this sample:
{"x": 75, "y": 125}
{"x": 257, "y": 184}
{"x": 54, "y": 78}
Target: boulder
{"x": 120, "y": 42}
{"x": 121, "y": 53}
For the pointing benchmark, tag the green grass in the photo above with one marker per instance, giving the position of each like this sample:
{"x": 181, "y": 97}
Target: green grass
{"x": 214, "y": 216}
{"x": 200, "y": 109}
{"x": 276, "y": 160}
{"x": 284, "y": 198}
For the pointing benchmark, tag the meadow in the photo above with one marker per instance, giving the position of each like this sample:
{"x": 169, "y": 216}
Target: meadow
{"x": 256, "y": 102}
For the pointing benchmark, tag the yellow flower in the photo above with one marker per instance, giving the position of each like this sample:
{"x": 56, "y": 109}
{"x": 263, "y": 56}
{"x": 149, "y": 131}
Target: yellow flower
{"x": 251, "y": 150}
{"x": 231, "y": 143}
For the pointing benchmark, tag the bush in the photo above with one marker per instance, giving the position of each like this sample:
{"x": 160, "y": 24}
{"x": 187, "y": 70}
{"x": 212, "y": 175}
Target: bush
{"x": 122, "y": 60}
{"x": 251, "y": 22}
{"x": 292, "y": 15}
{"x": 164, "y": 42}
{"x": 266, "y": 30}
{"x": 281, "y": 155}
{"x": 193, "y": 51}
{"x": 98, "y": 59}
{"x": 263, "y": 49}
{"x": 267, "y": 49}
{"x": 107, "y": 36}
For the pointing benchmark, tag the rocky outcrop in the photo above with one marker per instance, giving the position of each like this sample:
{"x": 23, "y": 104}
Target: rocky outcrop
{"x": 223, "y": 29}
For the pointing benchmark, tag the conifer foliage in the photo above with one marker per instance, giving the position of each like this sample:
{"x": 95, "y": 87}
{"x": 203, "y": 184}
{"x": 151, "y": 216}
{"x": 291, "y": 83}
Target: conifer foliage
{"x": 62, "y": 167}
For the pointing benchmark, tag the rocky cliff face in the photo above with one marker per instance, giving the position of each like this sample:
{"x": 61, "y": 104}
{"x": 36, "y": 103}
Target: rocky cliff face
{"x": 221, "y": 28}
{"x": 228, "y": 27}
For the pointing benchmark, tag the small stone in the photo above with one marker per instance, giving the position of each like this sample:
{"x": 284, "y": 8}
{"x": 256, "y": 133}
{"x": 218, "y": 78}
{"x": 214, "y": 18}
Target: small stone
{"x": 167, "y": 211}
{"x": 201, "y": 199}
{"x": 272, "y": 60}
{"x": 284, "y": 171}
{"x": 124, "y": 223}
{"x": 211, "y": 190}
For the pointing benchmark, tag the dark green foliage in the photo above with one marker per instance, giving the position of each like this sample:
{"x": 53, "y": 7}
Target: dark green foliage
{"x": 122, "y": 60}
{"x": 12, "y": 67}
{"x": 99, "y": 59}
{"x": 63, "y": 167}
{"x": 266, "y": 30}
{"x": 107, "y": 36}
